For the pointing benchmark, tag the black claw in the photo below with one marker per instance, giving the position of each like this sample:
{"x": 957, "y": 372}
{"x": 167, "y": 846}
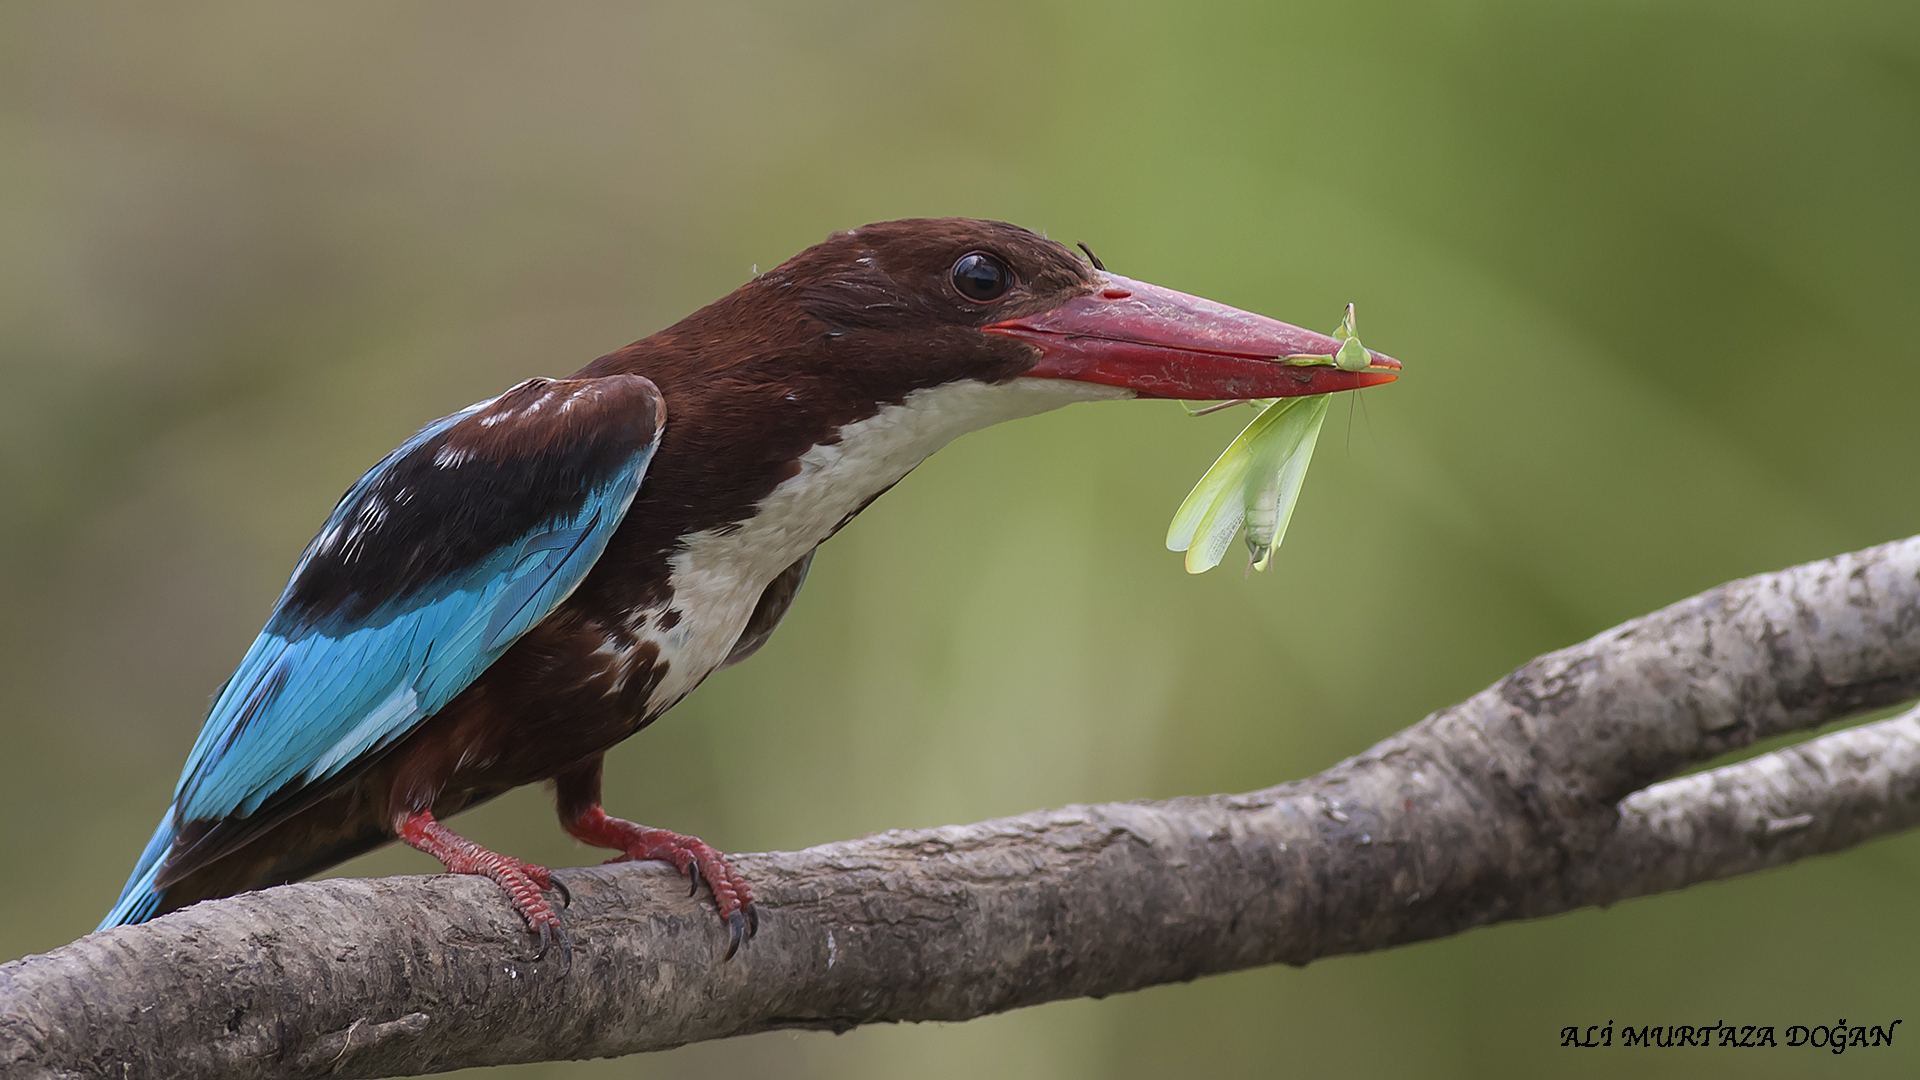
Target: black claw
{"x": 736, "y": 933}
{"x": 549, "y": 935}
{"x": 753, "y": 919}
{"x": 566, "y": 895}
{"x": 693, "y": 872}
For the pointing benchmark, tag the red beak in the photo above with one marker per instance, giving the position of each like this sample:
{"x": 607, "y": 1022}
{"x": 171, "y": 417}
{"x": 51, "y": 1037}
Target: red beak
{"x": 1165, "y": 344}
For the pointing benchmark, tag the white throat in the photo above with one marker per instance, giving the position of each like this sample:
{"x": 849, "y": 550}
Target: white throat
{"x": 718, "y": 576}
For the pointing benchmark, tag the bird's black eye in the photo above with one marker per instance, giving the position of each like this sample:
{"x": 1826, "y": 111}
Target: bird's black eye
{"x": 981, "y": 277}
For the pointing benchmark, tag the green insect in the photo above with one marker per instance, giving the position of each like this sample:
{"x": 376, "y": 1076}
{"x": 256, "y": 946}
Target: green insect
{"x": 1256, "y": 481}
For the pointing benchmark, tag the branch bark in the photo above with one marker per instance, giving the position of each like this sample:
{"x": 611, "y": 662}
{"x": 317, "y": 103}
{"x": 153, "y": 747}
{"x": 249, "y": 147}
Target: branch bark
{"x": 1530, "y": 798}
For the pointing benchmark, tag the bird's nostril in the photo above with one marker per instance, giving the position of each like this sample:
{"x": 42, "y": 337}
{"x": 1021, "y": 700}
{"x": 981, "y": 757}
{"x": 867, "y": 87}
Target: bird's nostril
{"x": 1114, "y": 294}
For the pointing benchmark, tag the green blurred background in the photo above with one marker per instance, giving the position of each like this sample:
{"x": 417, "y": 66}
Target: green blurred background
{"x": 1651, "y": 267}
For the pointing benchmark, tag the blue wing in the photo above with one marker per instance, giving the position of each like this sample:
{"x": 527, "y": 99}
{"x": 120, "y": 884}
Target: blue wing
{"x": 433, "y": 565}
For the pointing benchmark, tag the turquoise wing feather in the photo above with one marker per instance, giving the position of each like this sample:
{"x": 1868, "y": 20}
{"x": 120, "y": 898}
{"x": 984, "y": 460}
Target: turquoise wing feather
{"x": 429, "y": 569}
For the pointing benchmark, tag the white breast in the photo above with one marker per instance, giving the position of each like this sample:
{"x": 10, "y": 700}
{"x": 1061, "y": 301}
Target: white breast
{"x": 719, "y": 575}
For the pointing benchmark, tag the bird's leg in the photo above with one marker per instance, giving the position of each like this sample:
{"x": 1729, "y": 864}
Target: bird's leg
{"x": 688, "y": 854}
{"x": 522, "y": 880}
{"x": 577, "y": 796}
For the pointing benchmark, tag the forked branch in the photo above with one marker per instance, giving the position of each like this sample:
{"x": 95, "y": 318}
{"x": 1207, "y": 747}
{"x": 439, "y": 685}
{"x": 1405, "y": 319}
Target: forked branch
{"x": 1541, "y": 794}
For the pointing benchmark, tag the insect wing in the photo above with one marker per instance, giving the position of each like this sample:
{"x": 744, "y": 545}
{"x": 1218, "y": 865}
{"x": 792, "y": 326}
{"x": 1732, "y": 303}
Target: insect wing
{"x": 1292, "y": 475}
{"x": 1271, "y": 446}
{"x": 1214, "y": 505}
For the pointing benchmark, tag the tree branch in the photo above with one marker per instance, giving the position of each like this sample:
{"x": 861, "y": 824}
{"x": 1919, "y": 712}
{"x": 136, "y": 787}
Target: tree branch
{"x": 1530, "y": 798}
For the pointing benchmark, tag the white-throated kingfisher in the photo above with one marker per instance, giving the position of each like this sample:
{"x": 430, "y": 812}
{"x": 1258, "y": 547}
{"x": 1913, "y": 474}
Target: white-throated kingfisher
{"x": 525, "y": 583}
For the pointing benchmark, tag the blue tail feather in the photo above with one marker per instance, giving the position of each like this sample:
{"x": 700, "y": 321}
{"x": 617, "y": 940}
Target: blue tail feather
{"x": 139, "y": 898}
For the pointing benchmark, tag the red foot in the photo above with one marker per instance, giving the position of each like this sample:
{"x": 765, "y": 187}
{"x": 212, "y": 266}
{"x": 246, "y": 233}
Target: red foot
{"x": 522, "y": 880}
{"x": 690, "y": 855}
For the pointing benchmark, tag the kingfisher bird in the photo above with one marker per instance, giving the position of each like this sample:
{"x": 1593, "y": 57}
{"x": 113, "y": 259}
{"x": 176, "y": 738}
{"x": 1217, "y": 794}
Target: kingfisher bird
{"x": 530, "y": 580}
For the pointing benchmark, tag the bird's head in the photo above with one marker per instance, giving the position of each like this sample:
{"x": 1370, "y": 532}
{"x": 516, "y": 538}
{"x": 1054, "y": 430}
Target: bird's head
{"x": 917, "y": 303}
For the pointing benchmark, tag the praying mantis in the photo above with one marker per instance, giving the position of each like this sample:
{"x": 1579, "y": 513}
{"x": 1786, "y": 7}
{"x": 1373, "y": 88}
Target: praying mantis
{"x": 1256, "y": 481}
